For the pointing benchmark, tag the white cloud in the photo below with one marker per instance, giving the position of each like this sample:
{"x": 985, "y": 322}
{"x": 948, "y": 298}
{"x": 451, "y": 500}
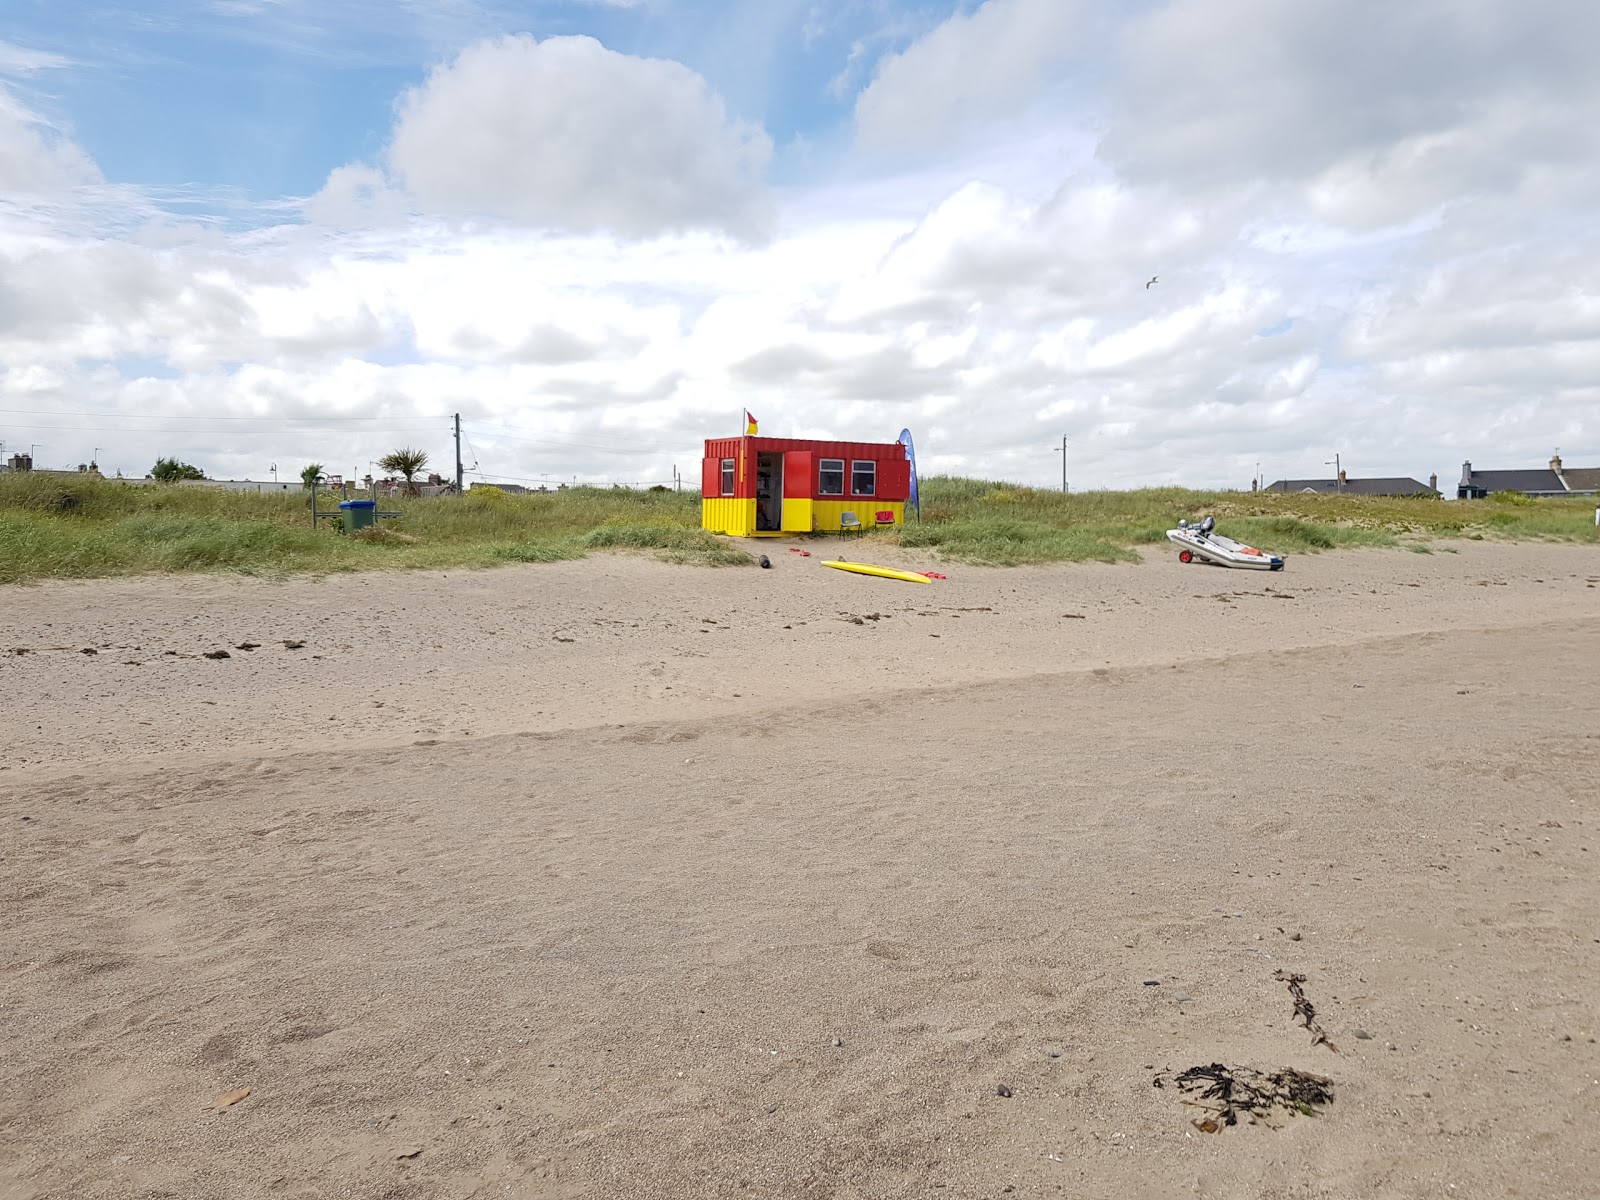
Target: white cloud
{"x": 970, "y": 69}
{"x": 1383, "y": 110}
{"x": 24, "y": 60}
{"x": 356, "y": 196}
{"x": 1401, "y": 269}
{"x": 566, "y": 134}
{"x": 36, "y": 159}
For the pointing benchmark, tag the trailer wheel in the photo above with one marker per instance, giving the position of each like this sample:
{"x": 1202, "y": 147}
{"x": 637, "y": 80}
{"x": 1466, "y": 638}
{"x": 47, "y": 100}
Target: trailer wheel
{"x": 1185, "y": 556}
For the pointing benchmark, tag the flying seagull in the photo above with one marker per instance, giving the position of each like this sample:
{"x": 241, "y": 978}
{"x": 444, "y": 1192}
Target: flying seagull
{"x": 1153, "y": 278}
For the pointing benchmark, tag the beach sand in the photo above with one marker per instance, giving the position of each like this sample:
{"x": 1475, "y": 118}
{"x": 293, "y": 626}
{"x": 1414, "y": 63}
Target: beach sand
{"x": 616, "y": 879}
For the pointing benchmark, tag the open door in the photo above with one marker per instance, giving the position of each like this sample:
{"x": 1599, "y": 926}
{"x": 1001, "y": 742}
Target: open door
{"x": 769, "y": 492}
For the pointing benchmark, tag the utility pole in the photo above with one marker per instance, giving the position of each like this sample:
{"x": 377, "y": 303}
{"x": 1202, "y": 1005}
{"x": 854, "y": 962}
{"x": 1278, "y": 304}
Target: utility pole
{"x": 458, "y": 454}
{"x": 1063, "y": 451}
{"x": 1338, "y": 474}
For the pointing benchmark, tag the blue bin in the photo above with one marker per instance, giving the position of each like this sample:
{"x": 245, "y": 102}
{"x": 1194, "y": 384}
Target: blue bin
{"x": 358, "y": 514}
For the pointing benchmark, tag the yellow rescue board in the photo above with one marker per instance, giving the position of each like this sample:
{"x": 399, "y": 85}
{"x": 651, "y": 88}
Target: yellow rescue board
{"x": 883, "y": 572}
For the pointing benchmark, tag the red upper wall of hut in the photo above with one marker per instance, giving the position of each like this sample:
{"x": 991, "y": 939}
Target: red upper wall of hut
{"x": 810, "y": 470}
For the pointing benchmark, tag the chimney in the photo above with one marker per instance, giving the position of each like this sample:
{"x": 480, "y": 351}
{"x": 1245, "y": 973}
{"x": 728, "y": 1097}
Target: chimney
{"x": 1433, "y": 482}
{"x": 1342, "y": 479}
{"x": 1466, "y": 474}
{"x": 1555, "y": 463}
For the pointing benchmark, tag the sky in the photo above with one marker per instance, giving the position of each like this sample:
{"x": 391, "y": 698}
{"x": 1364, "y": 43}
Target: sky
{"x": 1196, "y": 239}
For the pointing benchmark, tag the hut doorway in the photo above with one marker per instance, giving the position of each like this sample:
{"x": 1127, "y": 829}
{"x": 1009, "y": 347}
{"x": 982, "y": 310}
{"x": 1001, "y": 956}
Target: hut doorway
{"x": 769, "y": 492}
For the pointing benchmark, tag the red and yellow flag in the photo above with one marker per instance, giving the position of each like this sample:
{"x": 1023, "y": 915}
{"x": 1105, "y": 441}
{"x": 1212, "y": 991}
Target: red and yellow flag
{"x": 750, "y": 429}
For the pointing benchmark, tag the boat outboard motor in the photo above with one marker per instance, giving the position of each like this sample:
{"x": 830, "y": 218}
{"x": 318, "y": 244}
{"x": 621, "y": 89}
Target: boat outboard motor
{"x": 1207, "y": 526}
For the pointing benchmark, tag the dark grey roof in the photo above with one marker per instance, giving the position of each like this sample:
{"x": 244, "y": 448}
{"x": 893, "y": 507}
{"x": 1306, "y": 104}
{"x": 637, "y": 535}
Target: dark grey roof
{"x": 1518, "y": 481}
{"x": 1399, "y": 486}
{"x": 1582, "y": 479}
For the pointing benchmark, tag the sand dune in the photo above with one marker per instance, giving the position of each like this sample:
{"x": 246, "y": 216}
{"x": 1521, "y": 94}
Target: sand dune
{"x": 542, "y": 927}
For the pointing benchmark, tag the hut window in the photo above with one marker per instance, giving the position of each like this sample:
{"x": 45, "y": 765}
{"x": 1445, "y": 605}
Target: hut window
{"x": 727, "y": 477}
{"x": 830, "y": 477}
{"x": 863, "y": 478}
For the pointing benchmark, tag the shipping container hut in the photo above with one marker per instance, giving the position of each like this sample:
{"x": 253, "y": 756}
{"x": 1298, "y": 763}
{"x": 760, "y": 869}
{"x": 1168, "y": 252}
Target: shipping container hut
{"x": 767, "y": 487}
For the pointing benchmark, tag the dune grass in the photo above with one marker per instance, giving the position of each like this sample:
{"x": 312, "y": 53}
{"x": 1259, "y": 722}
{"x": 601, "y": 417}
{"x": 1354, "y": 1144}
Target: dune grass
{"x": 982, "y": 521}
{"x": 65, "y": 527}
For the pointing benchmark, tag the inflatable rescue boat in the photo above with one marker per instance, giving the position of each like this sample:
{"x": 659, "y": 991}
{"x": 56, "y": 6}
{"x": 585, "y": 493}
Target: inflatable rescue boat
{"x": 1200, "y": 540}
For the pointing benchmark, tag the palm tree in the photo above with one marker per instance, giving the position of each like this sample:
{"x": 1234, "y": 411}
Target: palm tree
{"x": 406, "y": 462}
{"x": 311, "y": 476}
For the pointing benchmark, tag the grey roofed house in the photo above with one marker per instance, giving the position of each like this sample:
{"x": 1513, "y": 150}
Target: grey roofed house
{"x": 1398, "y": 486}
{"x": 1582, "y": 481}
{"x": 1554, "y": 480}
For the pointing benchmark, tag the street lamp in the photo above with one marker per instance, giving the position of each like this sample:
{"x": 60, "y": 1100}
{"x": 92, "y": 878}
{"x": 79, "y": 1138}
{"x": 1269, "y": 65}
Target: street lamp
{"x": 1062, "y": 450}
{"x": 1338, "y": 474}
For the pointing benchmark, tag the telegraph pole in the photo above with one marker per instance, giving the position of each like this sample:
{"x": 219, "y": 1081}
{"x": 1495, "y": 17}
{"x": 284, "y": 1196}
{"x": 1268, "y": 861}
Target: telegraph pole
{"x": 458, "y": 454}
{"x": 1063, "y": 449}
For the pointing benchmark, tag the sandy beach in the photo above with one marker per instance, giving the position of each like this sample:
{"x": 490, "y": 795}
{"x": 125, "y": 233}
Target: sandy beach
{"x": 617, "y": 879}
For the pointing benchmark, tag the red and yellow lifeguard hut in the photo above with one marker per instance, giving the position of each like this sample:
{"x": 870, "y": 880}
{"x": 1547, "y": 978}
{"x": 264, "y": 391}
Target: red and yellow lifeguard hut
{"x": 766, "y": 487}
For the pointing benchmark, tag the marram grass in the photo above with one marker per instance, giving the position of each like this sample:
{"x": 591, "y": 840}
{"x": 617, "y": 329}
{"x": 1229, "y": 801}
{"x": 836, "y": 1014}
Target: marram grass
{"x": 55, "y": 527}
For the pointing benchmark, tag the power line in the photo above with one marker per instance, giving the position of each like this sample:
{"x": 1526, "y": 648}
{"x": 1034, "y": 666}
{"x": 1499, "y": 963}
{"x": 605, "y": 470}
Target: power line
{"x": 522, "y": 436}
{"x": 153, "y": 432}
{"x": 508, "y": 437}
{"x": 555, "y": 479}
{"x": 45, "y": 412}
{"x": 488, "y": 431}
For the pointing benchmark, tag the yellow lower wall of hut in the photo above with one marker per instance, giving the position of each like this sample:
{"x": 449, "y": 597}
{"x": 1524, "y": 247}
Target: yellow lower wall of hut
{"x": 736, "y": 518}
{"x": 797, "y": 516}
{"x": 828, "y": 512}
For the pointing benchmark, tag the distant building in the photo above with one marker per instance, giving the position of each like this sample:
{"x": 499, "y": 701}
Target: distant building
{"x": 1554, "y": 480}
{"x": 280, "y": 488}
{"x": 1343, "y": 485}
{"x": 511, "y": 489}
{"x": 435, "y": 486}
{"x": 24, "y": 462}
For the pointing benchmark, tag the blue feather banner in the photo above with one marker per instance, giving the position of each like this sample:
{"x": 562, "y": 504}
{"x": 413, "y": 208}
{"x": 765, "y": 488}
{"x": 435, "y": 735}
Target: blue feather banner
{"x": 911, "y": 457}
